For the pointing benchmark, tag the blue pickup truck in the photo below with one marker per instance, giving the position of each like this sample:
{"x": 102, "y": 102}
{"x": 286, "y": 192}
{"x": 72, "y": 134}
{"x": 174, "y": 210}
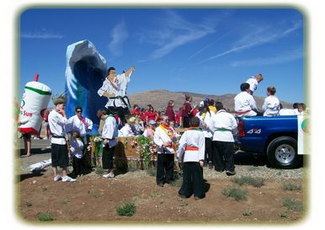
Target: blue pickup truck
{"x": 277, "y": 137}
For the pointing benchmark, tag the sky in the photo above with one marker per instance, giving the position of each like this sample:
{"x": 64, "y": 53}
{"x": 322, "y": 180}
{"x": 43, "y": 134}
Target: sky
{"x": 200, "y": 50}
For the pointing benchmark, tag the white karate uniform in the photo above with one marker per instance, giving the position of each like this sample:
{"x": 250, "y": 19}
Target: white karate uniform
{"x": 193, "y": 138}
{"x": 271, "y": 106}
{"x": 76, "y": 147}
{"x": 120, "y": 91}
{"x": 57, "y": 125}
{"x": 252, "y": 83}
{"x": 224, "y": 125}
{"x": 110, "y": 131}
{"x": 126, "y": 131}
{"x": 206, "y": 123}
{"x": 160, "y": 138}
{"x": 244, "y": 103}
{"x": 75, "y": 124}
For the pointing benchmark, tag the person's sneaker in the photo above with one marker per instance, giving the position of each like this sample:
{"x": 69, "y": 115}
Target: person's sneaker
{"x": 57, "y": 178}
{"x": 68, "y": 179}
{"x": 210, "y": 165}
{"x": 182, "y": 196}
{"x": 109, "y": 175}
{"x": 230, "y": 173}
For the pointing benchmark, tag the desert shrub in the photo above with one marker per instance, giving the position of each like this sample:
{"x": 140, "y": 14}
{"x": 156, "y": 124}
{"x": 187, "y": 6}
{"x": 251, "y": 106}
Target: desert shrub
{"x": 99, "y": 171}
{"x": 44, "y": 217}
{"x": 292, "y": 204}
{"x": 289, "y": 186}
{"x": 152, "y": 171}
{"x": 247, "y": 212}
{"x": 237, "y": 194}
{"x": 127, "y": 209}
{"x": 256, "y": 182}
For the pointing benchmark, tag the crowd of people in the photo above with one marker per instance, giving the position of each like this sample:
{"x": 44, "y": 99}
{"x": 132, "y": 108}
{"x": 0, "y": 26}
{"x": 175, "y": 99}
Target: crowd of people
{"x": 207, "y": 138}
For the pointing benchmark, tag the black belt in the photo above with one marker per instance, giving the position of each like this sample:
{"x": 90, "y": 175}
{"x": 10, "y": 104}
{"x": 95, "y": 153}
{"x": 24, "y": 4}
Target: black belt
{"x": 59, "y": 137}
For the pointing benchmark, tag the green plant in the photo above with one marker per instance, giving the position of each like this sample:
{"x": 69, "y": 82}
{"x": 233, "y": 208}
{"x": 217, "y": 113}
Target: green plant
{"x": 248, "y": 212}
{"x": 237, "y": 194}
{"x": 289, "y": 186}
{"x": 292, "y": 204}
{"x": 99, "y": 171}
{"x": 144, "y": 147}
{"x": 127, "y": 209}
{"x": 256, "y": 182}
{"x": 44, "y": 217}
{"x": 283, "y": 214}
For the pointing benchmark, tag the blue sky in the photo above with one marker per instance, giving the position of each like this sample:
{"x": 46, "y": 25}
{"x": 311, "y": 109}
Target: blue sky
{"x": 201, "y": 50}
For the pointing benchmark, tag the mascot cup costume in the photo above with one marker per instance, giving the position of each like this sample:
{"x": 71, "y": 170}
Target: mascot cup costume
{"x": 33, "y": 105}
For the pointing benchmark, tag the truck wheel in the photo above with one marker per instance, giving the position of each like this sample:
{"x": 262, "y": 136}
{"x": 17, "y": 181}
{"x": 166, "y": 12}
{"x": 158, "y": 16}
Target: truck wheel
{"x": 282, "y": 153}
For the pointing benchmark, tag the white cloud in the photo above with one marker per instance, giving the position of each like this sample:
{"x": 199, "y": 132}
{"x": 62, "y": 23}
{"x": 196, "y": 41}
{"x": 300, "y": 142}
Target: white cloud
{"x": 119, "y": 34}
{"x": 261, "y": 36}
{"x": 41, "y": 35}
{"x": 174, "y": 31}
{"x": 281, "y": 58}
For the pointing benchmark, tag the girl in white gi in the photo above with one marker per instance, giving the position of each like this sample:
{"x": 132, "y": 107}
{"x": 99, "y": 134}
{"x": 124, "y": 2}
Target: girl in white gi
{"x": 77, "y": 151}
{"x": 191, "y": 151}
{"x": 206, "y": 124}
{"x": 59, "y": 150}
{"x": 224, "y": 126}
{"x": 109, "y": 134}
{"x": 271, "y": 104}
{"x": 245, "y": 104}
{"x": 165, "y": 138}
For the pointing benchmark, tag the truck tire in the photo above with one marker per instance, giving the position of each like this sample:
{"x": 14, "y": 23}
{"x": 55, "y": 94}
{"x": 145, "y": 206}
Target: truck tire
{"x": 282, "y": 153}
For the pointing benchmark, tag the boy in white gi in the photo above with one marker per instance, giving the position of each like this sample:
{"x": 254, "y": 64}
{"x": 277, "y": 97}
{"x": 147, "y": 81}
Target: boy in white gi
{"x": 191, "y": 151}
{"x": 109, "y": 134}
{"x": 59, "y": 150}
{"x": 253, "y": 82}
{"x": 225, "y": 125}
{"x": 77, "y": 151}
{"x": 245, "y": 104}
{"x": 271, "y": 103}
{"x": 165, "y": 138}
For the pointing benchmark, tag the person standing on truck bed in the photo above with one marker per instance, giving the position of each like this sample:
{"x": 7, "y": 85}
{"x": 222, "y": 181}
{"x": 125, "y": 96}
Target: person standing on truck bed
{"x": 245, "y": 105}
{"x": 253, "y": 82}
{"x": 224, "y": 124}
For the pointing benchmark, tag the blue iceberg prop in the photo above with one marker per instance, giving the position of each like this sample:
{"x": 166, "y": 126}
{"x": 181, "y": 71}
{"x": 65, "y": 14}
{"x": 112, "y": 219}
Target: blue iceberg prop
{"x": 85, "y": 72}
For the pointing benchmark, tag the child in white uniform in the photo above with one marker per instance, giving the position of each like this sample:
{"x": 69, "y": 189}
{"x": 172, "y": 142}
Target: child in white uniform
{"x": 77, "y": 151}
{"x": 191, "y": 151}
{"x": 271, "y": 104}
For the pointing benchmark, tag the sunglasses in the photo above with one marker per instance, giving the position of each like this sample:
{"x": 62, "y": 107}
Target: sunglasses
{"x": 79, "y": 111}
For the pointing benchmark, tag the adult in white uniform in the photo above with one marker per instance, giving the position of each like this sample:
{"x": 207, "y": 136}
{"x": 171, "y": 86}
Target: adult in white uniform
{"x": 59, "y": 150}
{"x": 271, "y": 105}
{"x": 191, "y": 152}
{"x": 114, "y": 88}
{"x": 245, "y": 104}
{"x": 80, "y": 124}
{"x": 253, "y": 82}
{"x": 165, "y": 138}
{"x": 224, "y": 125}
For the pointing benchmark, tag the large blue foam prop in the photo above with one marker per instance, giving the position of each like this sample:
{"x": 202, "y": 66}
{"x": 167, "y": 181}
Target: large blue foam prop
{"x": 85, "y": 72}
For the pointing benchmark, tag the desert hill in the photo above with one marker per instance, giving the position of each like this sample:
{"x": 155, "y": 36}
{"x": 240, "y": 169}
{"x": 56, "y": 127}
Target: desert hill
{"x": 159, "y": 99}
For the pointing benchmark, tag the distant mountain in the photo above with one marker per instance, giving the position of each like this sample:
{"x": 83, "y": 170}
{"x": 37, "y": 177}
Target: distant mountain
{"x": 159, "y": 99}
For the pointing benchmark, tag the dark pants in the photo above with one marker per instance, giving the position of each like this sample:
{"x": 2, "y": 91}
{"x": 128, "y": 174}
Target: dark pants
{"x": 77, "y": 165}
{"x": 165, "y": 168}
{"x": 107, "y": 158}
{"x": 186, "y": 122}
{"x": 120, "y": 111}
{"x": 59, "y": 155}
{"x": 223, "y": 153}
{"x": 192, "y": 180}
{"x": 208, "y": 149}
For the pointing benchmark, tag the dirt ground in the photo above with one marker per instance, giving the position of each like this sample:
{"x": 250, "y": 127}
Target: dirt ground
{"x": 93, "y": 199}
